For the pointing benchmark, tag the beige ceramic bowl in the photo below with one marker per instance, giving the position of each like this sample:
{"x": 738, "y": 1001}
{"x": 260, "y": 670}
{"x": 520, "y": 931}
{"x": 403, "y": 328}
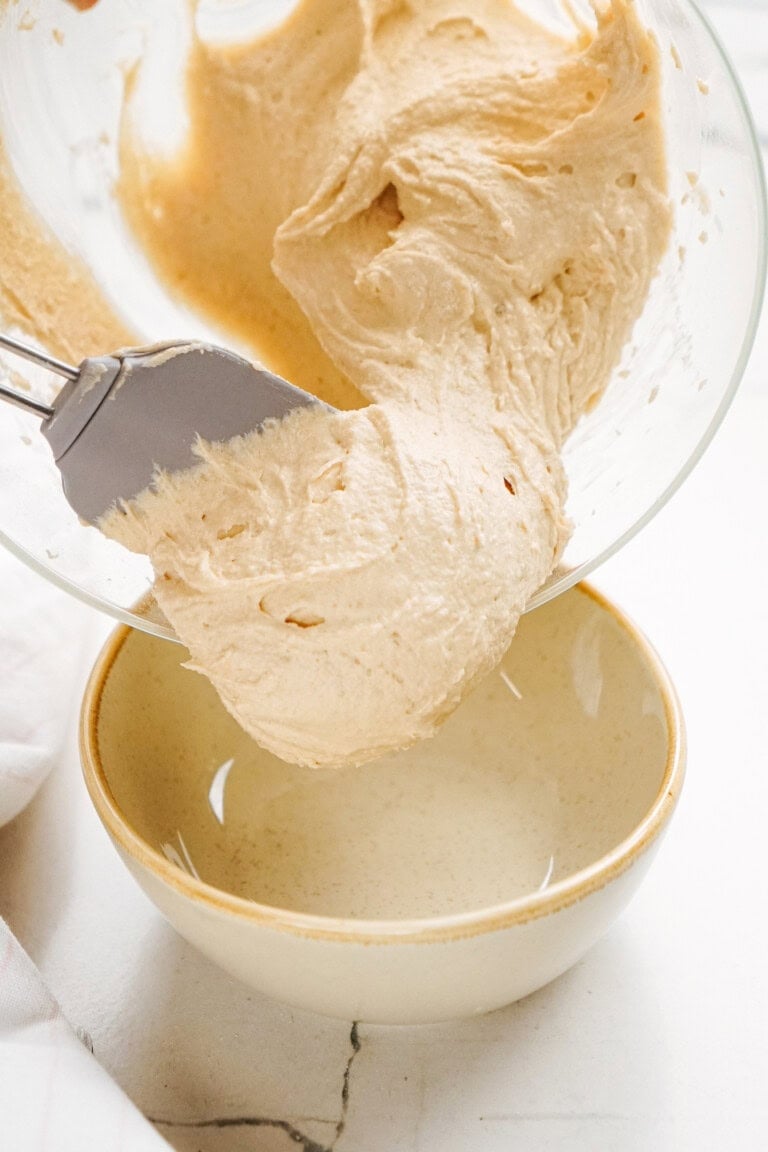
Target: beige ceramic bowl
{"x": 440, "y": 882}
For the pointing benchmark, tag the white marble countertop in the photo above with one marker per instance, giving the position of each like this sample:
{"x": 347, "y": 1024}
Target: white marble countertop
{"x": 657, "y": 1040}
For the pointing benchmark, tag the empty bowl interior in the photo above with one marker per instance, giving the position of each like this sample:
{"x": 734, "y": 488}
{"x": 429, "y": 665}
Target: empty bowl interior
{"x": 550, "y": 765}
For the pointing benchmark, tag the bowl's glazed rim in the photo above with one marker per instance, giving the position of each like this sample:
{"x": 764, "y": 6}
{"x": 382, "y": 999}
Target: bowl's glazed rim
{"x": 568, "y": 891}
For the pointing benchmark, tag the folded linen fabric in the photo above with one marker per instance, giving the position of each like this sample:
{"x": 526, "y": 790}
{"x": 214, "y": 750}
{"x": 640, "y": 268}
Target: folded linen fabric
{"x": 41, "y": 645}
{"x": 53, "y": 1093}
{"x": 54, "y": 1096}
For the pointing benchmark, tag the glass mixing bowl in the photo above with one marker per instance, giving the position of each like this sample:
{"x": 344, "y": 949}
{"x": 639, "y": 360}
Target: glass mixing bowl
{"x": 62, "y": 76}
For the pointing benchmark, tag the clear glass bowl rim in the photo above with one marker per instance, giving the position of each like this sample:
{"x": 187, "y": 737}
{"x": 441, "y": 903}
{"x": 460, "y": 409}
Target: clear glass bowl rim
{"x": 565, "y": 580}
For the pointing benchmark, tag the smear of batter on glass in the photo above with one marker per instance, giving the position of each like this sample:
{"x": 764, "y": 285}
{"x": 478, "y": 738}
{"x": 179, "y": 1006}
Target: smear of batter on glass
{"x": 44, "y": 289}
{"x": 445, "y": 211}
{"x": 443, "y": 219}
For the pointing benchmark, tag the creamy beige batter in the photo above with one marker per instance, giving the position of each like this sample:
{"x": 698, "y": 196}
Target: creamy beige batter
{"x": 441, "y": 211}
{"x": 45, "y": 290}
{"x": 468, "y": 212}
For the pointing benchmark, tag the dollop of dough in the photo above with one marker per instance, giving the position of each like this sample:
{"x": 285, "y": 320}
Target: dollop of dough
{"x": 468, "y": 211}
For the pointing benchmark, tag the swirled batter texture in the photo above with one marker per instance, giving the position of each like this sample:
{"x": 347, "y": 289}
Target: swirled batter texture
{"x": 443, "y": 219}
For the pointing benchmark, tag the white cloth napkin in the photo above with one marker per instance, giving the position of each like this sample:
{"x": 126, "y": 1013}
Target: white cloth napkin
{"x": 39, "y": 651}
{"x": 54, "y": 1096}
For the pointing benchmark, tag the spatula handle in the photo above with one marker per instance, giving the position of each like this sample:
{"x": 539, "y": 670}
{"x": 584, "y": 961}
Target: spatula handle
{"x": 26, "y": 402}
{"x": 37, "y": 356}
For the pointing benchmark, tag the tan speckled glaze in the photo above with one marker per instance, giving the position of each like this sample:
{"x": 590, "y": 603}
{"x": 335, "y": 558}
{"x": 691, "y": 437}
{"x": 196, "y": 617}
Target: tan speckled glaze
{"x": 533, "y": 779}
{"x": 378, "y": 896}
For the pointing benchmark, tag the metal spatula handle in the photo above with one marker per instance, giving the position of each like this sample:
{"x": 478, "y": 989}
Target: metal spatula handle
{"x": 25, "y": 402}
{"x": 45, "y": 360}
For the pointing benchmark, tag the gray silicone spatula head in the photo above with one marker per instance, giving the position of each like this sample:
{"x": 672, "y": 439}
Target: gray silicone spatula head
{"x": 121, "y": 418}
